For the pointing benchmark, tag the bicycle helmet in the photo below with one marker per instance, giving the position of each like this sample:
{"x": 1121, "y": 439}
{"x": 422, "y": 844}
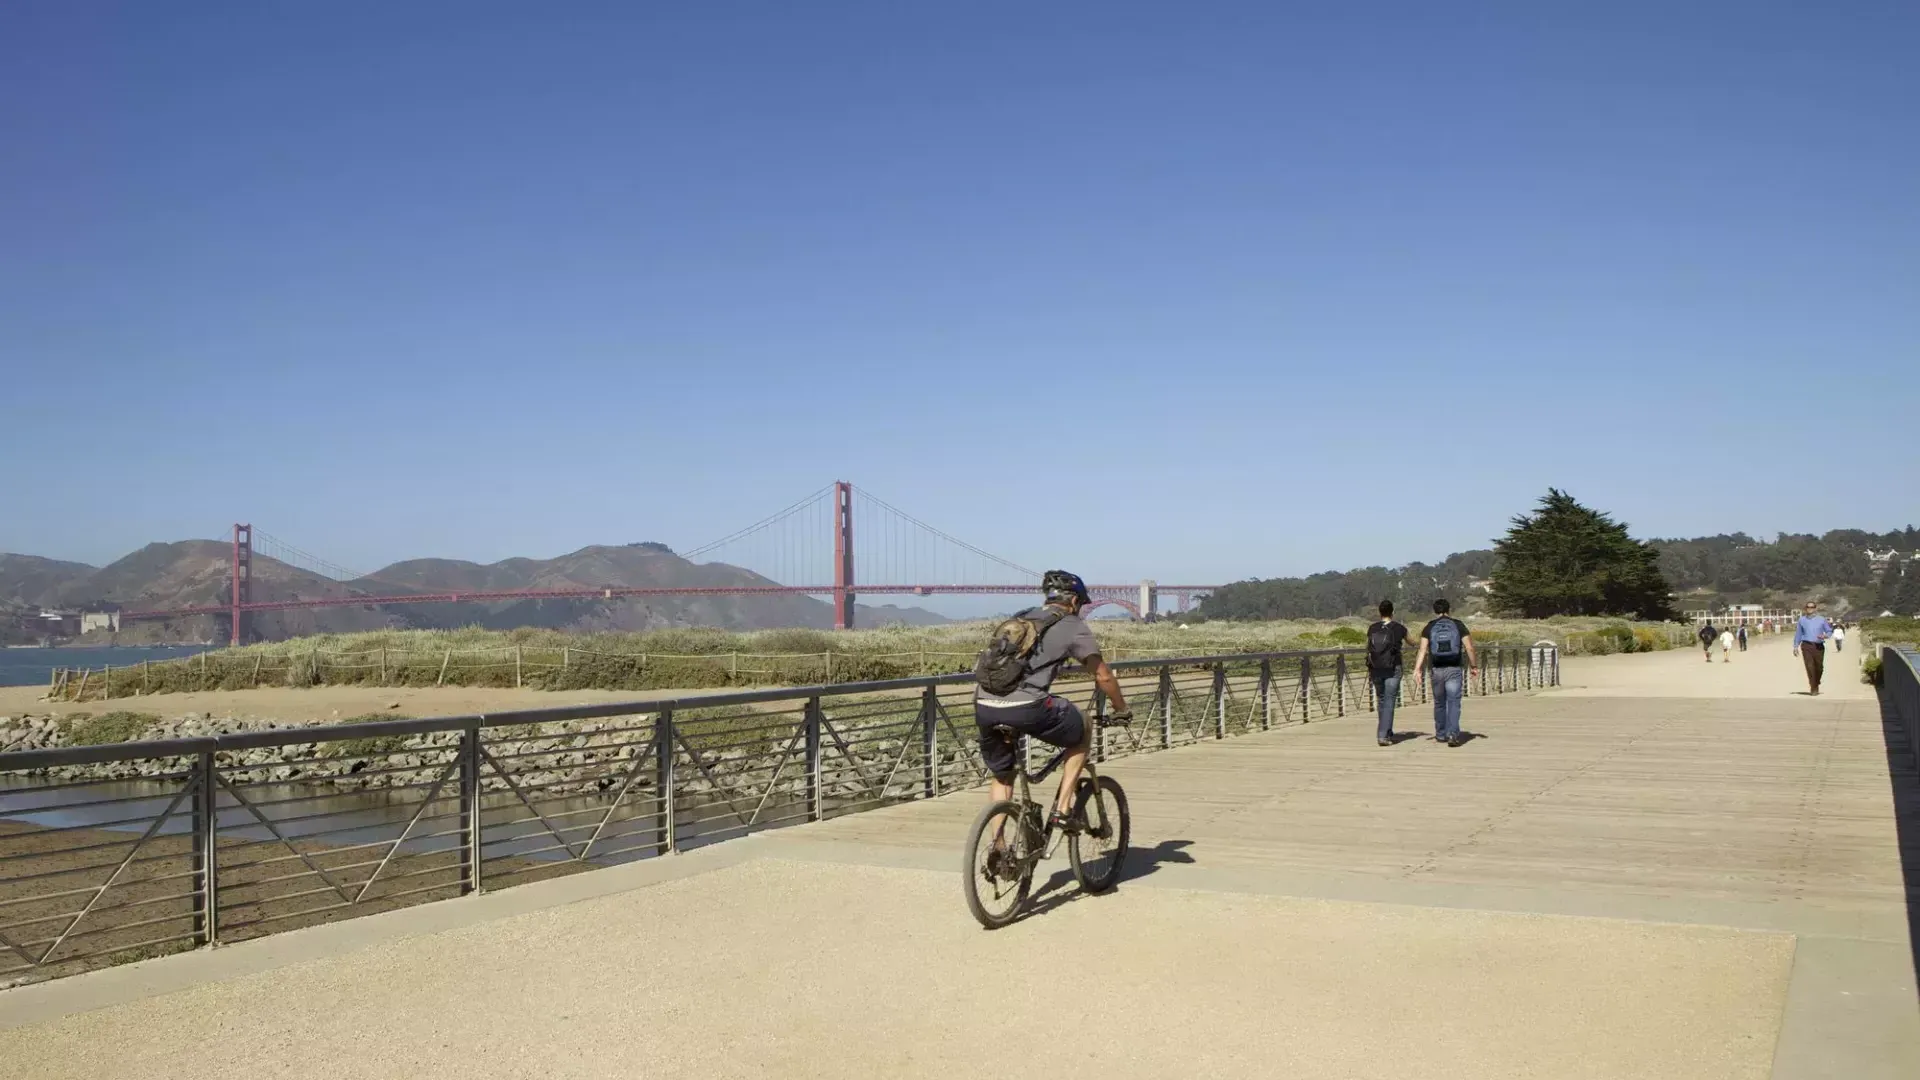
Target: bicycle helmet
{"x": 1059, "y": 585}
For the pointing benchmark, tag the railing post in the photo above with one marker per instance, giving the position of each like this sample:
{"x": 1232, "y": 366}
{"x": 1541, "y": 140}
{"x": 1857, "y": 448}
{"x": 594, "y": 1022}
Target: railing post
{"x": 1220, "y": 700}
{"x": 470, "y": 824}
{"x": 816, "y": 805}
{"x": 1306, "y": 689}
{"x": 206, "y": 857}
{"x": 1166, "y": 707}
{"x": 1266, "y": 695}
{"x": 1097, "y": 751}
{"x": 666, "y": 838}
{"x": 1340, "y": 681}
{"x": 929, "y": 742}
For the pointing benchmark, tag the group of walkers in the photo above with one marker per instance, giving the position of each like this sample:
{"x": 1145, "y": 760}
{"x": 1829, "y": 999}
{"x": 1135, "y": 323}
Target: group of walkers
{"x": 1446, "y": 647}
{"x": 1726, "y": 638}
{"x": 1812, "y": 633}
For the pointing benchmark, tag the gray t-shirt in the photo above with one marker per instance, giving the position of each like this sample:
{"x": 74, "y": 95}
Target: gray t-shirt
{"x": 1068, "y": 639}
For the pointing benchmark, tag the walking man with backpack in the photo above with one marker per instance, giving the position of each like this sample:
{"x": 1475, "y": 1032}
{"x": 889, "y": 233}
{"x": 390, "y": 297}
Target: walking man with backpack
{"x": 1708, "y": 635}
{"x": 1015, "y": 676}
{"x": 1385, "y": 639}
{"x": 1446, "y": 642}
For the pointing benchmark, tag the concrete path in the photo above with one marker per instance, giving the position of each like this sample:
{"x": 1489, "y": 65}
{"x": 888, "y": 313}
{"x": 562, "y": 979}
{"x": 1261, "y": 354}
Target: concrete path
{"x": 1671, "y": 883}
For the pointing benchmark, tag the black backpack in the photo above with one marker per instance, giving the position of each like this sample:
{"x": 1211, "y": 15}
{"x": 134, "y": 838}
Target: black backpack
{"x": 1003, "y": 664}
{"x": 1383, "y": 651}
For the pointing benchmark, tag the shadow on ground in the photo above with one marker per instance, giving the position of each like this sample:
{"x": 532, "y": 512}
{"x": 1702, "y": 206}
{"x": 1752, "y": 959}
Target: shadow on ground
{"x": 1061, "y": 888}
{"x": 1903, "y": 773}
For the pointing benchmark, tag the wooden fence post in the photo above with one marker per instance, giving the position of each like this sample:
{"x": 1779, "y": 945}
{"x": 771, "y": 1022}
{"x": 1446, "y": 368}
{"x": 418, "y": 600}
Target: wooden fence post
{"x": 448, "y": 659}
{"x": 516, "y": 667}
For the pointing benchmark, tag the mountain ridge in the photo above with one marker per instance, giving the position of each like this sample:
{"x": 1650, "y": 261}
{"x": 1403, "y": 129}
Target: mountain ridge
{"x": 193, "y": 573}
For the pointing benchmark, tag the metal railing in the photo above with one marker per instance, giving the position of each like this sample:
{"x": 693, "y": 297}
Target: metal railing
{"x": 1900, "y": 682}
{"x": 118, "y": 852}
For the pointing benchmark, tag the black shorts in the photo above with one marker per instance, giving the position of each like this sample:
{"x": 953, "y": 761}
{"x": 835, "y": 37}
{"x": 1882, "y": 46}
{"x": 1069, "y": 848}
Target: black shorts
{"x": 1053, "y": 720}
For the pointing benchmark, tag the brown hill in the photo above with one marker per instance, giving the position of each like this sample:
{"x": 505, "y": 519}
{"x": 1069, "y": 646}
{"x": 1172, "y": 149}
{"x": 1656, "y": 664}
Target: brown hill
{"x": 632, "y": 565}
{"x": 29, "y": 580}
{"x": 194, "y": 573}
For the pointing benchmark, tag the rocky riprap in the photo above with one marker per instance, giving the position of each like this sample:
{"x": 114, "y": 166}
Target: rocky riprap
{"x": 568, "y": 757}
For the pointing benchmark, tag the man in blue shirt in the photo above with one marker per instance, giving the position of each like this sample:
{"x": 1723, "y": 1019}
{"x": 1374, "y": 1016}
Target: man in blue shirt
{"x": 1810, "y": 636}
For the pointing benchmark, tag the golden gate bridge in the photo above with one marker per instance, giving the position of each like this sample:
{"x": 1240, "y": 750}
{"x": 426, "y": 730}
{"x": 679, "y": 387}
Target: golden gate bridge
{"x": 812, "y": 542}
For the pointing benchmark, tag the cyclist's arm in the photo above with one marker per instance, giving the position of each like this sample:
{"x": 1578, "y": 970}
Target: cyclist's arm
{"x": 1104, "y": 678}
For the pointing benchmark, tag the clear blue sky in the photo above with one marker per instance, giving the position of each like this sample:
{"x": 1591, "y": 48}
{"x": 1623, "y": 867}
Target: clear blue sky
{"x": 1236, "y": 289}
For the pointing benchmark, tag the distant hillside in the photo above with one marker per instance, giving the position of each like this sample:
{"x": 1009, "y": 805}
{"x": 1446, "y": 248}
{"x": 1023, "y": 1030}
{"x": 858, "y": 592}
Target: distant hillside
{"x": 1705, "y": 571}
{"x": 29, "y": 580}
{"x": 632, "y": 565}
{"x": 193, "y": 573}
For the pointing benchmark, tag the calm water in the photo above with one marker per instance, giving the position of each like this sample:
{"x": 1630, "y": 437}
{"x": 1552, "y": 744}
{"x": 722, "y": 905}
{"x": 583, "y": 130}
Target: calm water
{"x": 33, "y": 667}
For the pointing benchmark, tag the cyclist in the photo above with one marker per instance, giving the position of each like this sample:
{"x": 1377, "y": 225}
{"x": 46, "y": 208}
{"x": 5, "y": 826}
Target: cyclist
{"x": 1033, "y": 710}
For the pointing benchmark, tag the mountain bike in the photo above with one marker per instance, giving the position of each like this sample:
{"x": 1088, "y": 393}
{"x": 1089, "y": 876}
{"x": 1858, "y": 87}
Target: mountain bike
{"x": 1011, "y": 837}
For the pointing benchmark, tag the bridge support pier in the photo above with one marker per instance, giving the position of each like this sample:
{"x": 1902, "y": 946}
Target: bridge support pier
{"x": 241, "y": 585}
{"x": 842, "y": 556}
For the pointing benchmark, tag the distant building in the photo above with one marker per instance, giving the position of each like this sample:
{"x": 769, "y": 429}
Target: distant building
{"x": 55, "y": 623}
{"x": 92, "y": 621}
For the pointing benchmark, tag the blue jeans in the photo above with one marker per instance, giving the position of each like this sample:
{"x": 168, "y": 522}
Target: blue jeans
{"x": 1449, "y": 685}
{"x": 1386, "y": 690}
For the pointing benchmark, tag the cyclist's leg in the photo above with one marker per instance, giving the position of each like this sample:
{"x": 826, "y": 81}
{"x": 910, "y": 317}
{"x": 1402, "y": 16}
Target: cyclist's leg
{"x": 1065, "y": 726}
{"x": 996, "y": 751}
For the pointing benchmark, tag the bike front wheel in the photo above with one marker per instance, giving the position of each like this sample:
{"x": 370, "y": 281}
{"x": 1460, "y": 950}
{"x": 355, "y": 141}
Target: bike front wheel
{"x": 999, "y": 870}
{"x": 1098, "y": 850}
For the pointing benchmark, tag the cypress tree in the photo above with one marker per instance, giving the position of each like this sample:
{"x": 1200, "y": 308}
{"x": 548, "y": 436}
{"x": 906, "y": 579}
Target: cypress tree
{"x": 1567, "y": 559}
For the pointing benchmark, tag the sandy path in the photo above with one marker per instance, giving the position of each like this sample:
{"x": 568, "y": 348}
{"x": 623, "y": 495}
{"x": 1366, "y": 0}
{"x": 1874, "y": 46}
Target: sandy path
{"x": 325, "y": 703}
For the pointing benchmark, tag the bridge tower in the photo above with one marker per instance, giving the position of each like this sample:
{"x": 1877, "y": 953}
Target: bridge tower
{"x": 1149, "y": 599}
{"x": 842, "y": 556}
{"x": 242, "y": 579}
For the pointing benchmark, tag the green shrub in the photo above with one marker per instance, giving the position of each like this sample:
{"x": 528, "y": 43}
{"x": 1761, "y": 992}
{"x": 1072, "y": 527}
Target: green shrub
{"x": 791, "y": 641}
{"x": 113, "y": 727}
{"x": 1870, "y": 671}
{"x": 1893, "y": 630}
{"x": 1347, "y": 635}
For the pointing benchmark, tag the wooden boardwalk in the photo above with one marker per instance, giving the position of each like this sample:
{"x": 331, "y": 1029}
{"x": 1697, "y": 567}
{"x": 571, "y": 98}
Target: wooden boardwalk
{"x": 1663, "y": 869}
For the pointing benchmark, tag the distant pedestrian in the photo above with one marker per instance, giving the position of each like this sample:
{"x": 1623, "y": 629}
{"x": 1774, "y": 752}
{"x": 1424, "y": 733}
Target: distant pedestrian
{"x": 1708, "y": 635}
{"x": 1726, "y": 646}
{"x": 1385, "y": 640}
{"x": 1446, "y": 642}
{"x": 1839, "y": 637}
{"x": 1743, "y": 637}
{"x": 1810, "y": 636}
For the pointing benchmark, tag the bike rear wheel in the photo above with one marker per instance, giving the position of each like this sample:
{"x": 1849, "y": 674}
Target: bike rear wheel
{"x": 998, "y": 872}
{"x": 1098, "y": 851}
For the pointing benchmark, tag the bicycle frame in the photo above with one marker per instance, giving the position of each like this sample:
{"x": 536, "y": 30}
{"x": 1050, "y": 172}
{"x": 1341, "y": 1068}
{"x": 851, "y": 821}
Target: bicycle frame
{"x": 1024, "y": 783}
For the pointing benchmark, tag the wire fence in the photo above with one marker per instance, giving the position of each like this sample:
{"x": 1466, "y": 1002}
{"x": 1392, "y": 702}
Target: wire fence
{"x": 119, "y": 852}
{"x": 528, "y": 666}
{"x": 547, "y": 667}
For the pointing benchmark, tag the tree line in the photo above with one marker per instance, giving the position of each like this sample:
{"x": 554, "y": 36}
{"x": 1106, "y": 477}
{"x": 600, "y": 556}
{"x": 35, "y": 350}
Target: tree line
{"x": 1563, "y": 558}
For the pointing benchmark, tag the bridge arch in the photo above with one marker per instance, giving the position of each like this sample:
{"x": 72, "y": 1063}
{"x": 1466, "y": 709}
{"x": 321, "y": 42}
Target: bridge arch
{"x": 1101, "y": 600}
